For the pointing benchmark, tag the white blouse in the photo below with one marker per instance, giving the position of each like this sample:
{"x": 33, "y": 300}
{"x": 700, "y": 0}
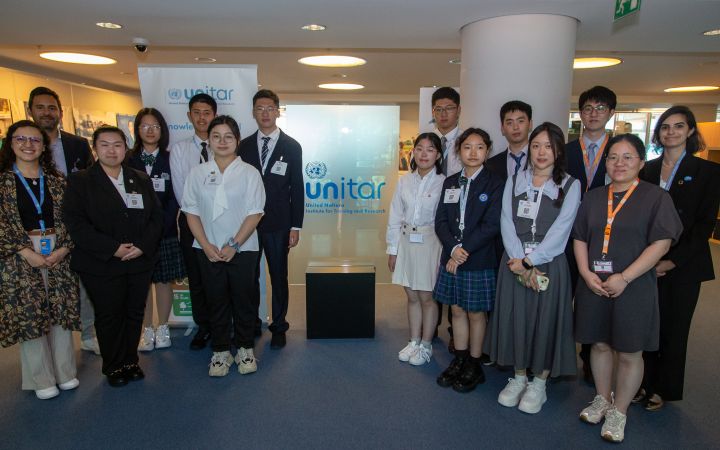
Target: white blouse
{"x": 414, "y": 203}
{"x": 224, "y": 200}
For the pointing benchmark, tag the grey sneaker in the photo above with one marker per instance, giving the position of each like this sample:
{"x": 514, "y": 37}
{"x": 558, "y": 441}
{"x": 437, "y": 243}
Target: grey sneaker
{"x": 220, "y": 364}
{"x": 245, "y": 360}
{"x": 596, "y": 411}
{"x": 613, "y": 428}
{"x": 147, "y": 340}
{"x": 510, "y": 396}
{"x": 162, "y": 336}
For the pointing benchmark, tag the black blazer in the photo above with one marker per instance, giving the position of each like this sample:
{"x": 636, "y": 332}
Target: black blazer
{"x": 482, "y": 221}
{"x": 161, "y": 170}
{"x": 576, "y": 167}
{"x": 695, "y": 192}
{"x": 77, "y": 152}
{"x": 285, "y": 194}
{"x": 98, "y": 221}
{"x": 498, "y": 164}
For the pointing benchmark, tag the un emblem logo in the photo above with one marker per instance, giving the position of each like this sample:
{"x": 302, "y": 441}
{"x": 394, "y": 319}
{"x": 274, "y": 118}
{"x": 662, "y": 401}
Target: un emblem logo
{"x": 174, "y": 94}
{"x": 315, "y": 170}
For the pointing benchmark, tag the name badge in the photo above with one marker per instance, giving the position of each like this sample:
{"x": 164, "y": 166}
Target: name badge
{"x": 416, "y": 238}
{"x": 279, "y": 168}
{"x": 602, "y": 266}
{"x": 135, "y": 201}
{"x": 526, "y": 209}
{"x": 452, "y": 195}
{"x": 158, "y": 184}
{"x": 45, "y": 246}
{"x": 530, "y": 247}
{"x": 212, "y": 178}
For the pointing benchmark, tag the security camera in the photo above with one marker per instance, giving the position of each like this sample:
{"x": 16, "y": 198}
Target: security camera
{"x": 141, "y": 44}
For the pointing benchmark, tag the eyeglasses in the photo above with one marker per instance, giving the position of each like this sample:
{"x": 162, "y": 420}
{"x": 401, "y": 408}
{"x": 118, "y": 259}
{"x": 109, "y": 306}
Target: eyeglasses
{"x": 222, "y": 138}
{"x": 588, "y": 109}
{"x": 626, "y": 158}
{"x": 146, "y": 127}
{"x": 262, "y": 109}
{"x": 30, "y": 140}
{"x": 446, "y": 109}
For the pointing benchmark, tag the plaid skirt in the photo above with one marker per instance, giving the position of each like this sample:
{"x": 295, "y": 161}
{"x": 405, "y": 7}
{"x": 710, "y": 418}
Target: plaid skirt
{"x": 170, "y": 265}
{"x": 472, "y": 290}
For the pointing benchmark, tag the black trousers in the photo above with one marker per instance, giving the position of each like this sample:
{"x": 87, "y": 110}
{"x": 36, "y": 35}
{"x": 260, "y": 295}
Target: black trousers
{"x": 665, "y": 368}
{"x": 200, "y": 309}
{"x": 275, "y": 245}
{"x": 119, "y": 302}
{"x": 228, "y": 286}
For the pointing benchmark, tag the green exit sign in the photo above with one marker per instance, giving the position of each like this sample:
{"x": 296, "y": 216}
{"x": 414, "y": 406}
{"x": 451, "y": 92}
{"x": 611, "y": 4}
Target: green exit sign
{"x": 625, "y": 7}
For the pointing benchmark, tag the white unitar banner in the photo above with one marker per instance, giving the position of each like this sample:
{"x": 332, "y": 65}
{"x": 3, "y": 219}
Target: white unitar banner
{"x": 169, "y": 88}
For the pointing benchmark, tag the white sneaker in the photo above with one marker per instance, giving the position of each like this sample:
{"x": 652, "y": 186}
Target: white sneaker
{"x": 245, "y": 360}
{"x": 44, "y": 394}
{"x": 613, "y": 428}
{"x": 220, "y": 364}
{"x": 421, "y": 356}
{"x": 510, "y": 396}
{"x": 68, "y": 385}
{"x": 534, "y": 397}
{"x": 147, "y": 340}
{"x": 596, "y": 411}
{"x": 406, "y": 353}
{"x": 90, "y": 345}
{"x": 162, "y": 336}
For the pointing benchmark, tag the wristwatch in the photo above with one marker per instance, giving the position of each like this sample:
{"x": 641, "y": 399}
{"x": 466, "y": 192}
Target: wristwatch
{"x": 526, "y": 264}
{"x": 234, "y": 245}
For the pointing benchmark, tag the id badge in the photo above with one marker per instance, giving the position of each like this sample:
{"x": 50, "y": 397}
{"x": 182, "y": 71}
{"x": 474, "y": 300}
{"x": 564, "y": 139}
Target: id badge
{"x": 530, "y": 247}
{"x": 602, "y": 266}
{"x": 452, "y": 195}
{"x": 158, "y": 184}
{"x": 416, "y": 238}
{"x": 135, "y": 201}
{"x": 45, "y": 246}
{"x": 526, "y": 209}
{"x": 212, "y": 178}
{"x": 279, "y": 168}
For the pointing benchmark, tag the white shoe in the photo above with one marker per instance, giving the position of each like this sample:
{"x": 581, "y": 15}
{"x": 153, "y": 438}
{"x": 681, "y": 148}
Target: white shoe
{"x": 613, "y": 428}
{"x": 90, "y": 345}
{"x": 68, "y": 385}
{"x": 245, "y": 360}
{"x": 162, "y": 336}
{"x": 147, "y": 340}
{"x": 406, "y": 353}
{"x": 510, "y": 396}
{"x": 220, "y": 364}
{"x": 44, "y": 394}
{"x": 421, "y": 356}
{"x": 596, "y": 411}
{"x": 533, "y": 398}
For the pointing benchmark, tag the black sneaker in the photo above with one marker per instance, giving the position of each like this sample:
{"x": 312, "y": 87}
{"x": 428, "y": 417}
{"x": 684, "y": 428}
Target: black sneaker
{"x": 448, "y": 377}
{"x": 278, "y": 341}
{"x": 200, "y": 340}
{"x": 471, "y": 375}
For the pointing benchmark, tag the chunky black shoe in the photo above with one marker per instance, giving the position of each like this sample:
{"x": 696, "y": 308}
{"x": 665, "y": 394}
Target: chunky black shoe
{"x": 278, "y": 341}
{"x": 471, "y": 375}
{"x": 200, "y": 340}
{"x": 448, "y": 377}
{"x": 133, "y": 372}
{"x": 117, "y": 378}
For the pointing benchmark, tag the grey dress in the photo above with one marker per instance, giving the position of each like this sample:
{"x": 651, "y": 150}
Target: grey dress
{"x": 531, "y": 329}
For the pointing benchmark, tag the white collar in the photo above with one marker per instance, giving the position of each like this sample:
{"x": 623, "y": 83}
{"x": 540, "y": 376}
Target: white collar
{"x": 155, "y": 153}
{"x": 524, "y": 179}
{"x": 273, "y": 136}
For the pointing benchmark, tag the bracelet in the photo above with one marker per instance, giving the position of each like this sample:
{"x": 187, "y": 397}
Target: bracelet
{"x": 526, "y": 265}
{"x": 622, "y": 275}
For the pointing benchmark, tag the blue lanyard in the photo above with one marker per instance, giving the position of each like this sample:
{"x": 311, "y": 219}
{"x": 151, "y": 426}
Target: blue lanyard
{"x": 38, "y": 205}
{"x": 670, "y": 179}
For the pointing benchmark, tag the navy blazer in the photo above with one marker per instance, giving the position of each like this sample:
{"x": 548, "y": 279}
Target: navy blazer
{"x": 78, "y": 155}
{"x": 285, "y": 194}
{"x": 576, "y": 167}
{"x": 498, "y": 164}
{"x": 482, "y": 221}
{"x": 161, "y": 169}
{"x": 695, "y": 192}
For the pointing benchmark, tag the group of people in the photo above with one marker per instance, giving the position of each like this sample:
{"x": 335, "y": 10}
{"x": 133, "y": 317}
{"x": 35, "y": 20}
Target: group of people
{"x": 547, "y": 244}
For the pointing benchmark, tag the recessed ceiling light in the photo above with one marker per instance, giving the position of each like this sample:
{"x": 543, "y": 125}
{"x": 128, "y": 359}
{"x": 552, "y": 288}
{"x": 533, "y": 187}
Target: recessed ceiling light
{"x": 77, "y": 58}
{"x": 341, "y": 86}
{"x": 205, "y": 59}
{"x": 455, "y": 61}
{"x": 109, "y": 25}
{"x": 313, "y": 27}
{"x": 692, "y": 89}
{"x": 332, "y": 61}
{"x": 594, "y": 63}
{"x": 712, "y": 32}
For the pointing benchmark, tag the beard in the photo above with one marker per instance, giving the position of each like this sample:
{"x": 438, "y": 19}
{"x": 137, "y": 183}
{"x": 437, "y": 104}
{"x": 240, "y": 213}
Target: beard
{"x": 48, "y": 123}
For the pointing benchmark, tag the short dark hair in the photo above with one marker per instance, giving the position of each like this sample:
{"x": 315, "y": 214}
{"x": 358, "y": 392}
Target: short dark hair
{"x": 557, "y": 142}
{"x": 7, "y": 155}
{"x": 230, "y": 122}
{"x": 435, "y": 141}
{"x": 42, "y": 90}
{"x": 203, "y": 98}
{"x": 600, "y": 94}
{"x": 695, "y": 141}
{"x": 108, "y": 129}
{"x": 448, "y": 93}
{"x": 631, "y": 139}
{"x": 470, "y": 131}
{"x": 266, "y": 93}
{"x": 515, "y": 105}
{"x": 164, "y": 141}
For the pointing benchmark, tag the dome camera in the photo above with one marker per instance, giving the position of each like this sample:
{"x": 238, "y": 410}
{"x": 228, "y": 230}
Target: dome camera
{"x": 141, "y": 44}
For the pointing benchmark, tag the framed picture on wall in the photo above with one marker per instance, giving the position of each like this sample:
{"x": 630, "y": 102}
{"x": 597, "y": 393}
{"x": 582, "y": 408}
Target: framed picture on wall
{"x": 5, "y": 117}
{"x": 125, "y": 123}
{"x": 86, "y": 122}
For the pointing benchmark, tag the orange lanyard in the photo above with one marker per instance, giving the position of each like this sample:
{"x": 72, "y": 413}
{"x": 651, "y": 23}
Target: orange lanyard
{"x": 612, "y": 213}
{"x": 590, "y": 170}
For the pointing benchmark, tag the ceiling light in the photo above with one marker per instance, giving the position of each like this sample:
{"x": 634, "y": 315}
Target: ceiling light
{"x": 109, "y": 25}
{"x": 593, "y": 63}
{"x": 692, "y": 89}
{"x": 332, "y": 61}
{"x": 712, "y": 32}
{"x": 313, "y": 27}
{"x": 205, "y": 59}
{"x": 77, "y": 58}
{"x": 341, "y": 86}
{"x": 455, "y": 61}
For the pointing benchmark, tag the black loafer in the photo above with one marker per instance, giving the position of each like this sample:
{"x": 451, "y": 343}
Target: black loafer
{"x": 133, "y": 372}
{"x": 278, "y": 341}
{"x": 448, "y": 377}
{"x": 200, "y": 340}
{"x": 117, "y": 378}
{"x": 471, "y": 375}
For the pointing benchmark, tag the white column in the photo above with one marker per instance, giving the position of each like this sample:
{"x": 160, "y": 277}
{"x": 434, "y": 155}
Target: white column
{"x": 524, "y": 57}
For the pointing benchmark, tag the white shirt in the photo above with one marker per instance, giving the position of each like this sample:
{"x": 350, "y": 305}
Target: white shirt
{"x": 271, "y": 146}
{"x": 119, "y": 184}
{"x": 511, "y": 161}
{"x": 414, "y": 203}
{"x": 553, "y": 244}
{"x": 453, "y": 160}
{"x": 224, "y": 200}
{"x": 184, "y": 155}
{"x": 59, "y": 154}
{"x": 149, "y": 169}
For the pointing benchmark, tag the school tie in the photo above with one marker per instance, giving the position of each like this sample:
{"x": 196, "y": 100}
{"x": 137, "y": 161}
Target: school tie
{"x": 518, "y": 160}
{"x": 203, "y": 152}
{"x": 265, "y": 150}
{"x": 443, "y": 141}
{"x": 148, "y": 160}
{"x": 592, "y": 148}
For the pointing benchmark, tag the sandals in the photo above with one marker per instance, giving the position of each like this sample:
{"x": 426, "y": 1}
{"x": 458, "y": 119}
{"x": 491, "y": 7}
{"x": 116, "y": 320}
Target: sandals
{"x": 640, "y": 396}
{"x": 654, "y": 403}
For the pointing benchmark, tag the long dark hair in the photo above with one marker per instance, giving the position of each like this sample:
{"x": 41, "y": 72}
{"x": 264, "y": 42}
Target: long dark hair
{"x": 7, "y": 155}
{"x": 164, "y": 141}
{"x": 557, "y": 143}
{"x": 435, "y": 141}
{"x": 694, "y": 142}
{"x": 469, "y": 132}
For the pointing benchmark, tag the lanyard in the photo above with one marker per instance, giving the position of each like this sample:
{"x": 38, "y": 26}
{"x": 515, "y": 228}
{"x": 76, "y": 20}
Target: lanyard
{"x": 464, "y": 188}
{"x": 590, "y": 169}
{"x": 420, "y": 194}
{"x": 38, "y": 204}
{"x": 612, "y": 213}
{"x": 536, "y": 203}
{"x": 670, "y": 179}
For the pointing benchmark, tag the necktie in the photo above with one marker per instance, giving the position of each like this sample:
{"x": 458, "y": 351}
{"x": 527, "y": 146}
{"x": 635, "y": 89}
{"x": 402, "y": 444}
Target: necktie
{"x": 592, "y": 148}
{"x": 518, "y": 160}
{"x": 203, "y": 152}
{"x": 265, "y": 150}
{"x": 147, "y": 160}
{"x": 463, "y": 181}
{"x": 443, "y": 141}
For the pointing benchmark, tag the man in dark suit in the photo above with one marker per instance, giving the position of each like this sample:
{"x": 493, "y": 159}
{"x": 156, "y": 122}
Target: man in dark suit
{"x": 71, "y": 153}
{"x": 278, "y": 158}
{"x": 515, "y": 125}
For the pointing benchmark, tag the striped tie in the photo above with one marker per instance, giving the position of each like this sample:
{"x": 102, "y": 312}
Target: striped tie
{"x": 265, "y": 150}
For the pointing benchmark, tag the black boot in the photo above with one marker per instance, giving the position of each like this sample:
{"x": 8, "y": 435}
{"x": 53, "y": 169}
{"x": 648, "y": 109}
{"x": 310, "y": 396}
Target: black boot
{"x": 448, "y": 377}
{"x": 471, "y": 375}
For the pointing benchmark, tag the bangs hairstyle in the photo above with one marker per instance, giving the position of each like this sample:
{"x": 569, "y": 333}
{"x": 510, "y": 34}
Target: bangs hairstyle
{"x": 435, "y": 141}
{"x": 164, "y": 141}
{"x": 230, "y": 122}
{"x": 515, "y": 105}
{"x": 446, "y": 92}
{"x": 695, "y": 142}
{"x": 266, "y": 93}
{"x": 108, "y": 129}
{"x": 203, "y": 98}
{"x": 7, "y": 155}
{"x": 470, "y": 131}
{"x": 631, "y": 139}
{"x": 599, "y": 94}
{"x": 557, "y": 143}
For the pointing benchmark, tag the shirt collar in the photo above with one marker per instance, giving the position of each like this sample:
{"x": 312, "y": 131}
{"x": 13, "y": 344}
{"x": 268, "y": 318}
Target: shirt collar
{"x": 598, "y": 142}
{"x": 198, "y": 142}
{"x": 475, "y": 175}
{"x": 524, "y": 179}
{"x": 155, "y": 153}
{"x": 451, "y": 135}
{"x": 273, "y": 136}
{"x": 523, "y": 150}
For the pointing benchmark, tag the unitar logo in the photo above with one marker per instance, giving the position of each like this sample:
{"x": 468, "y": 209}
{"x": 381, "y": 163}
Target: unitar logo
{"x": 219, "y": 94}
{"x": 315, "y": 170}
